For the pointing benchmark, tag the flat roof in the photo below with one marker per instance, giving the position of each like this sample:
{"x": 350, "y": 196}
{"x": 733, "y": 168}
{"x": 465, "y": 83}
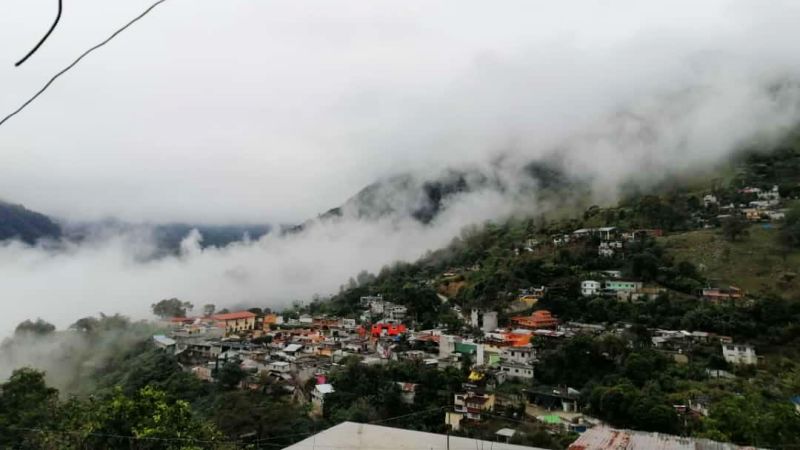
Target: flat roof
{"x": 362, "y": 436}
{"x": 602, "y": 438}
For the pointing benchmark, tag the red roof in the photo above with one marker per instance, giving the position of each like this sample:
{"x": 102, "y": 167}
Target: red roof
{"x": 233, "y": 315}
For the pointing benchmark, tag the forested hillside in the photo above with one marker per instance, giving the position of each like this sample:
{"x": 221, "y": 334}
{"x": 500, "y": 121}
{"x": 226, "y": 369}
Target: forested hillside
{"x": 628, "y": 370}
{"x": 17, "y": 222}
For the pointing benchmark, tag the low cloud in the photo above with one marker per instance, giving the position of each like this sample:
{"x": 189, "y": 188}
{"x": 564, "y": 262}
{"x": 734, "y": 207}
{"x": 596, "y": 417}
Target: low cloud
{"x": 668, "y": 90}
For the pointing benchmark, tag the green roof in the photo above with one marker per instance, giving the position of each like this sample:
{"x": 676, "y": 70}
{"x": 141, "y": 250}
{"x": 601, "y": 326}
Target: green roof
{"x": 466, "y": 348}
{"x": 551, "y": 419}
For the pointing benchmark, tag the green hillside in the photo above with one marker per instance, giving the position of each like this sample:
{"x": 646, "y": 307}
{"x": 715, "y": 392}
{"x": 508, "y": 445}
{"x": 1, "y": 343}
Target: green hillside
{"x": 757, "y": 263}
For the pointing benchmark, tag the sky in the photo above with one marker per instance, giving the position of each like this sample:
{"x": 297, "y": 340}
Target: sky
{"x": 267, "y": 111}
{"x": 274, "y": 111}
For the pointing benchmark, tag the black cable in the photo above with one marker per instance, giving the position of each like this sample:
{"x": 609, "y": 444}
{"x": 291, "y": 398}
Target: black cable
{"x": 52, "y": 27}
{"x": 47, "y": 85}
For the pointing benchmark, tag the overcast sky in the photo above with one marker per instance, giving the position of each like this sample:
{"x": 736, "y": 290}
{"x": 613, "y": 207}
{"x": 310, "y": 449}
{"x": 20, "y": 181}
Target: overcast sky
{"x": 256, "y": 110}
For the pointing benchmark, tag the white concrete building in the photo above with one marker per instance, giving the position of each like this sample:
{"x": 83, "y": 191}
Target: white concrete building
{"x": 590, "y": 288}
{"x": 318, "y": 397}
{"x": 739, "y": 354}
{"x": 521, "y": 355}
{"x": 517, "y": 370}
{"x": 279, "y": 367}
{"x": 489, "y": 321}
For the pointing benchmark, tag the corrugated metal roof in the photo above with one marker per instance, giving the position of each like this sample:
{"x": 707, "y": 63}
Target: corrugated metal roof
{"x": 358, "y": 436}
{"x": 605, "y": 438}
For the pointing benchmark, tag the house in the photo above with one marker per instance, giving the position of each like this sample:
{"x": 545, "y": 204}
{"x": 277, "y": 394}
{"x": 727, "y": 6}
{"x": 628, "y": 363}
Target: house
{"x": 486, "y": 321}
{"x": 555, "y": 398}
{"x": 590, "y": 288}
{"x": 753, "y": 214}
{"x": 772, "y": 196}
{"x": 739, "y": 354}
{"x": 539, "y": 319}
{"x": 517, "y": 370}
{"x": 279, "y": 367}
{"x": 607, "y": 233}
{"x": 717, "y": 295}
{"x": 700, "y": 405}
{"x": 318, "y": 398}
{"x": 366, "y": 301}
{"x": 522, "y": 355}
{"x": 776, "y": 215}
{"x": 617, "y": 286}
{"x": 387, "y": 329}
{"x": 645, "y": 293}
{"x": 236, "y": 321}
{"x": 271, "y": 319}
{"x": 408, "y": 392}
{"x": 395, "y": 313}
{"x": 505, "y": 434}
{"x": 292, "y": 350}
{"x": 709, "y": 200}
{"x": 608, "y": 249}
{"x": 305, "y": 319}
{"x": 470, "y": 405}
{"x": 164, "y": 342}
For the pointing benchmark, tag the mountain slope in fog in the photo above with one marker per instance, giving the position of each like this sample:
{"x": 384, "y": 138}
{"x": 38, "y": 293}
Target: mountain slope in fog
{"x": 18, "y": 222}
{"x": 424, "y": 198}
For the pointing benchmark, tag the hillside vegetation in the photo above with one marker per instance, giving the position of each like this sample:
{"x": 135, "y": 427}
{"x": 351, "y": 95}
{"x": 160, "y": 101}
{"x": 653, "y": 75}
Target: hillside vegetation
{"x": 758, "y": 264}
{"x": 17, "y": 222}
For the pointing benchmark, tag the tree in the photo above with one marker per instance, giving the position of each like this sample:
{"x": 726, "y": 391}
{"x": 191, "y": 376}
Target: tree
{"x": 209, "y": 309}
{"x": 230, "y": 374}
{"x": 171, "y": 307}
{"x": 789, "y": 235}
{"x": 145, "y": 420}
{"x": 734, "y": 227}
{"x": 25, "y": 403}
{"x": 38, "y": 328}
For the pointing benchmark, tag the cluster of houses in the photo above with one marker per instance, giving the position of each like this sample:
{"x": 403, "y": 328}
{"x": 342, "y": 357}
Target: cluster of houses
{"x": 612, "y": 240}
{"x": 764, "y": 205}
{"x": 291, "y": 355}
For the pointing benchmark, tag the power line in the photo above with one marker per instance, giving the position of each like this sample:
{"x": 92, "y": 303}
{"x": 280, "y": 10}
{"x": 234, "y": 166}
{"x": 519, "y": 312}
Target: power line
{"x": 74, "y": 63}
{"x": 47, "y": 35}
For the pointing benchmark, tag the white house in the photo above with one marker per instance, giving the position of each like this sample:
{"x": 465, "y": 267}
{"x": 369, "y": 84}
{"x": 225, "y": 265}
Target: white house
{"x": 604, "y": 251}
{"x": 772, "y": 196}
{"x": 521, "y": 355}
{"x": 318, "y": 397}
{"x": 395, "y": 312}
{"x": 590, "y": 288}
{"x": 739, "y": 354}
{"x": 279, "y": 367}
{"x": 517, "y": 370}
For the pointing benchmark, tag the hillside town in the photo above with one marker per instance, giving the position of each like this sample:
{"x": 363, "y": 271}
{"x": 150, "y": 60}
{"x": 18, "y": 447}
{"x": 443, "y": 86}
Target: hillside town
{"x": 497, "y": 356}
{"x": 496, "y": 349}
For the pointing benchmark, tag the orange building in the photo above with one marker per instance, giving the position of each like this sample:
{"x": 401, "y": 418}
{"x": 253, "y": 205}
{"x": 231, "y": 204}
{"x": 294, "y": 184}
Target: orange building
{"x": 539, "y": 319}
{"x": 383, "y": 329}
{"x": 269, "y": 320}
{"x": 516, "y": 339}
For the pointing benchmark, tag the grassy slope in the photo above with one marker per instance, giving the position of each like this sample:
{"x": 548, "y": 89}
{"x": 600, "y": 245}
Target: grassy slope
{"x": 754, "y": 263}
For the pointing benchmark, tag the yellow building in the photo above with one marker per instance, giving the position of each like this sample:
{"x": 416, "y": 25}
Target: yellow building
{"x": 236, "y": 321}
